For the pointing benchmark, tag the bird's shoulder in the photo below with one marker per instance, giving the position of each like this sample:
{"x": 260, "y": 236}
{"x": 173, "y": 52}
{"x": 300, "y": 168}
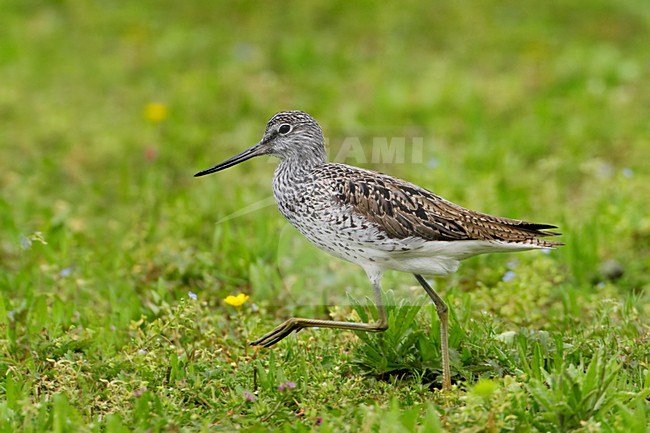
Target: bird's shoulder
{"x": 399, "y": 208}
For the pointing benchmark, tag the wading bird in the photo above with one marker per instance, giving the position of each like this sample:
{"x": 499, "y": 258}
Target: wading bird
{"x": 376, "y": 221}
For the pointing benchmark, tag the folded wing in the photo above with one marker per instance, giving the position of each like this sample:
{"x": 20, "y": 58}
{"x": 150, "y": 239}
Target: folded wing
{"x": 403, "y": 210}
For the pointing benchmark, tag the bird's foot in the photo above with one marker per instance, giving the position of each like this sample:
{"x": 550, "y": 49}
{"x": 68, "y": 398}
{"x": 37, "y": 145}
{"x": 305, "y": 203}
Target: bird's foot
{"x": 279, "y": 333}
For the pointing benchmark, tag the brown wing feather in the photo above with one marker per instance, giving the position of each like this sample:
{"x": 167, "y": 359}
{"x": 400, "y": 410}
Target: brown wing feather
{"x": 402, "y": 210}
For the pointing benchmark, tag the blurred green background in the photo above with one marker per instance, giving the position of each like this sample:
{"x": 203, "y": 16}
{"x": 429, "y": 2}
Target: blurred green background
{"x": 532, "y": 110}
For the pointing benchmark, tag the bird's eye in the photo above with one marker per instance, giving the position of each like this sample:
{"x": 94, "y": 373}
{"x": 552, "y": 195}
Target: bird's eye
{"x": 284, "y": 129}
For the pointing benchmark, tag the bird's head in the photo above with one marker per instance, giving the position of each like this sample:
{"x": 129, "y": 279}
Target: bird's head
{"x": 289, "y": 135}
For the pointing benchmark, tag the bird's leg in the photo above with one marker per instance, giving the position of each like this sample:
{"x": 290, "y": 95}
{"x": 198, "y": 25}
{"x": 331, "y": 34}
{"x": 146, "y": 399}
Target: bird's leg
{"x": 298, "y": 323}
{"x": 441, "y": 309}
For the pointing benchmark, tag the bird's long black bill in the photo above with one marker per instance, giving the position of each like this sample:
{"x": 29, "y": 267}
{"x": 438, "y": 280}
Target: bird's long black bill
{"x": 256, "y": 150}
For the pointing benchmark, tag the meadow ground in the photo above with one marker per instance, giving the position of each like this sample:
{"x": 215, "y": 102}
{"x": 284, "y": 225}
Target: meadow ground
{"x": 115, "y": 262}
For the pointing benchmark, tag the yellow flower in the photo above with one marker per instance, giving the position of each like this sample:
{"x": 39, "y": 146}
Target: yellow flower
{"x": 236, "y": 301}
{"x": 155, "y": 112}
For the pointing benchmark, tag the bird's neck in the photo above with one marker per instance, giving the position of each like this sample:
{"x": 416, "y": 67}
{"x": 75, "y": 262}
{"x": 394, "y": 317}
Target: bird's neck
{"x": 297, "y": 166}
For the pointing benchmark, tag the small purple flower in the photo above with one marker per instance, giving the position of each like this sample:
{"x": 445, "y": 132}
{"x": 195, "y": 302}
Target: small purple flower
{"x": 66, "y": 272}
{"x": 627, "y": 172}
{"x": 25, "y": 243}
{"x": 287, "y": 385}
{"x": 508, "y": 276}
{"x": 243, "y": 51}
{"x": 319, "y": 420}
{"x": 192, "y": 295}
{"x": 249, "y": 396}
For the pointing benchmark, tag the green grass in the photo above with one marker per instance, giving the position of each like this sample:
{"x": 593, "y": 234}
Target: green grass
{"x": 528, "y": 110}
